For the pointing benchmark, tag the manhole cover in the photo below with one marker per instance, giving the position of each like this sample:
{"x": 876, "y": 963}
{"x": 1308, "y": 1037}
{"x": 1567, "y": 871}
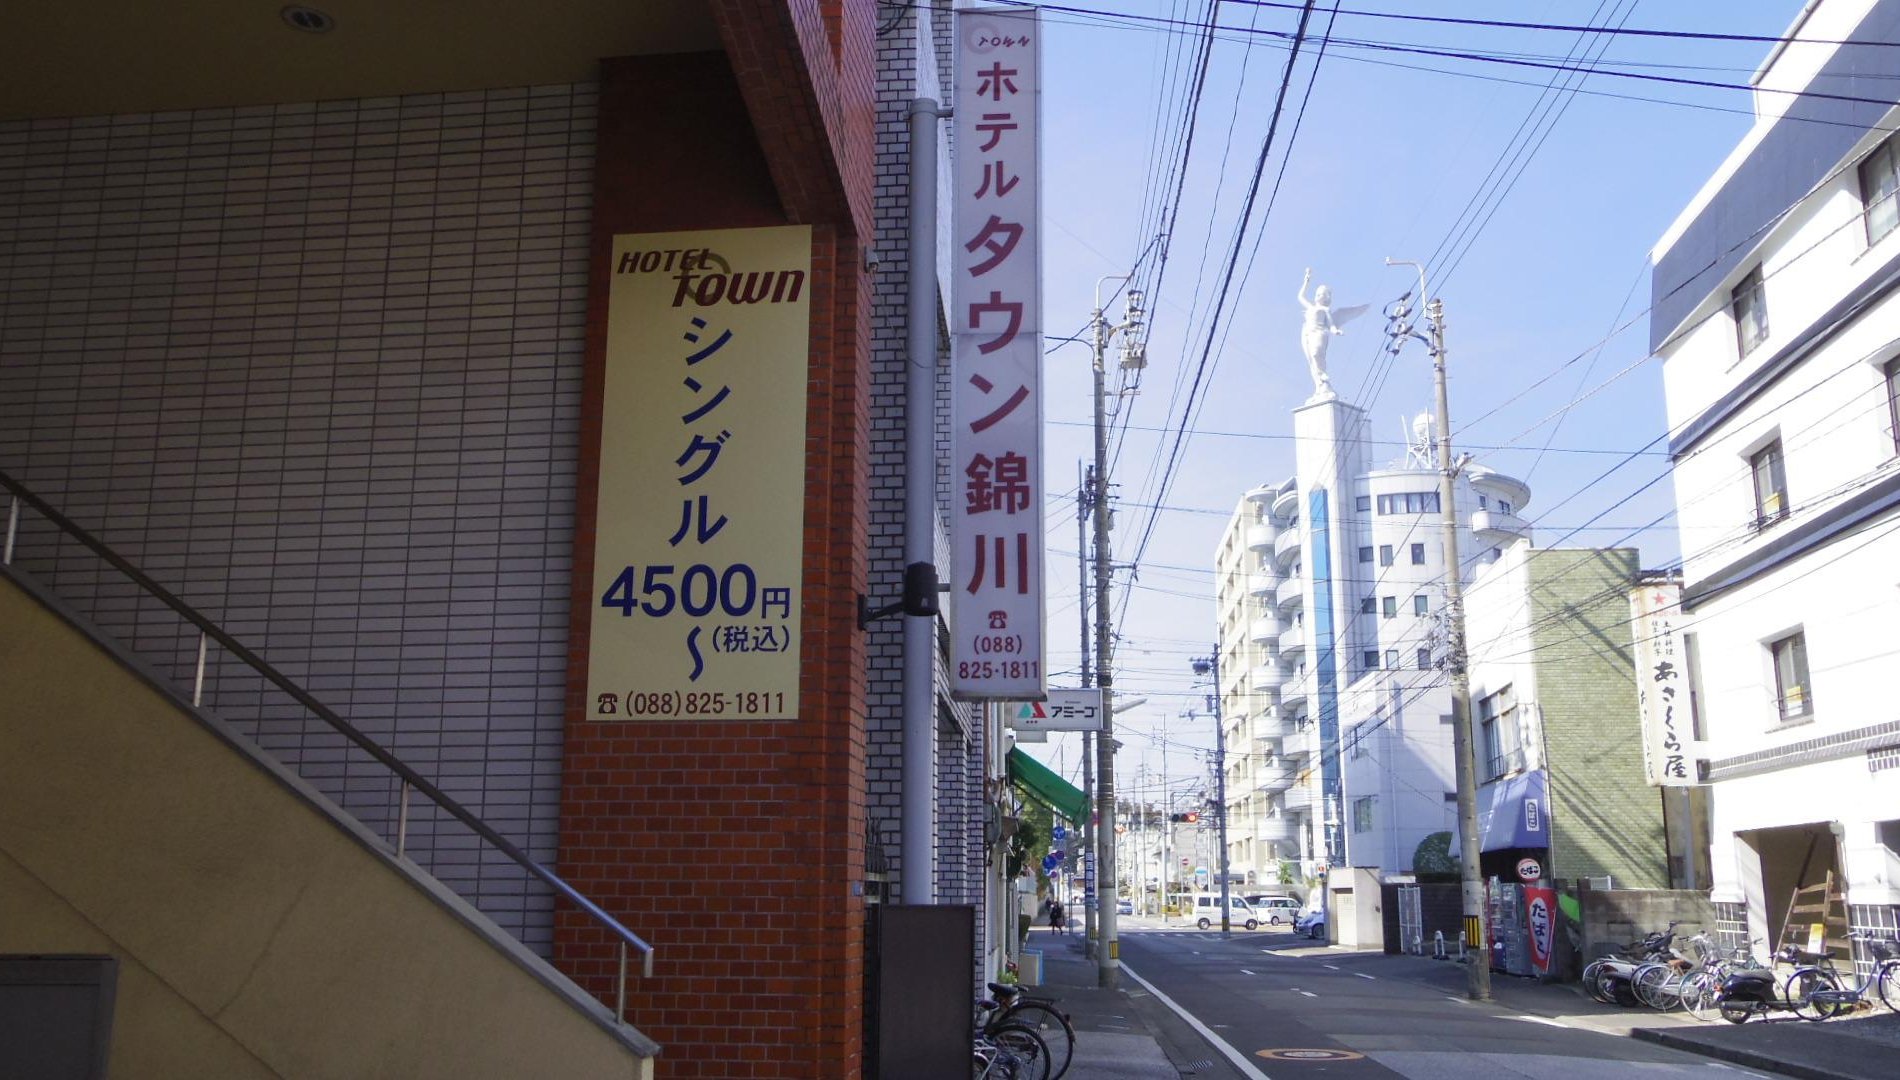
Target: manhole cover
{"x": 1308, "y": 1055}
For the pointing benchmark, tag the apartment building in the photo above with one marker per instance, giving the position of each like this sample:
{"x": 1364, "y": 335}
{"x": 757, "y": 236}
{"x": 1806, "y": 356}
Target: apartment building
{"x": 1330, "y": 597}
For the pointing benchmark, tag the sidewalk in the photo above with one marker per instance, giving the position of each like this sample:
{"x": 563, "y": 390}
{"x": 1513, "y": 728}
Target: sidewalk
{"x": 1120, "y": 1034}
{"x": 1862, "y": 1048}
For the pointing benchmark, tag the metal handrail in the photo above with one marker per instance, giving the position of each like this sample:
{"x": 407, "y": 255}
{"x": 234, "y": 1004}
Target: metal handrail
{"x": 410, "y": 777}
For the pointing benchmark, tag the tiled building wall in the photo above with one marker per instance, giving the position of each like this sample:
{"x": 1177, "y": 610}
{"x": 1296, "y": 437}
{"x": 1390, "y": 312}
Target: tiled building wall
{"x": 909, "y": 65}
{"x": 315, "y": 368}
{"x": 1604, "y": 819}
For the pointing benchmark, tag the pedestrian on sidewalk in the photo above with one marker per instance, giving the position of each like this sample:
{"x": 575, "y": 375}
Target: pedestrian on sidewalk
{"x": 1057, "y": 924}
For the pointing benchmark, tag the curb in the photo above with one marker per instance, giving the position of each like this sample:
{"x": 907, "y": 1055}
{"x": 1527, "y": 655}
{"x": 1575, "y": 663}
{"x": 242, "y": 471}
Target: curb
{"x": 1738, "y": 1055}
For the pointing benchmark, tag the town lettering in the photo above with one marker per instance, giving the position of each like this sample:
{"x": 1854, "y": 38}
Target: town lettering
{"x": 747, "y": 287}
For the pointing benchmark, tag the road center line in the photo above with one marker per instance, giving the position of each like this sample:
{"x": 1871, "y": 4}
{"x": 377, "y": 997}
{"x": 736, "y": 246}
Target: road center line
{"x": 1363, "y": 975}
{"x": 1330, "y": 967}
{"x": 1244, "y": 971}
{"x": 1233, "y": 1056}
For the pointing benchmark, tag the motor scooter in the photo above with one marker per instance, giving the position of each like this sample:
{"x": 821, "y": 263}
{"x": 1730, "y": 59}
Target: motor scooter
{"x": 1753, "y": 991}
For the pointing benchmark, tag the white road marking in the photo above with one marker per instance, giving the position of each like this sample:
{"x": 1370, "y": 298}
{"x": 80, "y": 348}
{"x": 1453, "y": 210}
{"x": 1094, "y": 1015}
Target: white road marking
{"x": 1363, "y": 975}
{"x": 1232, "y": 1055}
{"x": 1244, "y": 971}
{"x": 1541, "y": 1020}
{"x": 1330, "y": 967}
{"x": 1459, "y": 1000}
{"x": 1297, "y": 990}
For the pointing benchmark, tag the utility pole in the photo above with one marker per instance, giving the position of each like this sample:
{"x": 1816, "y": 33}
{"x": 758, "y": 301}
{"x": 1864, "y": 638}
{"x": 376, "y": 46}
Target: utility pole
{"x": 1108, "y": 975}
{"x": 1089, "y": 866}
{"x": 1203, "y": 667}
{"x": 1478, "y": 967}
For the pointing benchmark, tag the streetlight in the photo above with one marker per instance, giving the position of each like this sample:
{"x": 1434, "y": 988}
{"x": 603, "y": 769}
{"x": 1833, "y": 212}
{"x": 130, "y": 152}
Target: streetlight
{"x": 1204, "y": 666}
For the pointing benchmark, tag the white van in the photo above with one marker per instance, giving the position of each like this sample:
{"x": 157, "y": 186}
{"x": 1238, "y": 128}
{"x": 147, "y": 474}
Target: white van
{"x": 1206, "y": 912}
{"x": 1274, "y": 908}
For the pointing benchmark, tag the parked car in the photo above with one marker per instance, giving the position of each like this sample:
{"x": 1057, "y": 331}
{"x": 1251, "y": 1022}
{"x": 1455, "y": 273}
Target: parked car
{"x": 1274, "y": 908}
{"x": 1124, "y": 906}
{"x": 1206, "y": 912}
{"x": 1312, "y": 924}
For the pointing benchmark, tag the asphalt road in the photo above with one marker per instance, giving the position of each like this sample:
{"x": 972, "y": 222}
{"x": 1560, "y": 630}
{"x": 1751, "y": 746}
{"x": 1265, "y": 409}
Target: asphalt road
{"x": 1274, "y": 1006}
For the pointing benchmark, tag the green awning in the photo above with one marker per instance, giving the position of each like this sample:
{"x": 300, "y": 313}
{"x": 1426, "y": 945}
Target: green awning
{"x": 1039, "y": 783}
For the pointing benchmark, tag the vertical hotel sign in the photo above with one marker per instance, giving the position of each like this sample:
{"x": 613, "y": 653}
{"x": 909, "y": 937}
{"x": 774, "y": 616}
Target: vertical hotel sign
{"x": 996, "y": 519}
{"x": 699, "y": 531}
{"x": 1662, "y": 685}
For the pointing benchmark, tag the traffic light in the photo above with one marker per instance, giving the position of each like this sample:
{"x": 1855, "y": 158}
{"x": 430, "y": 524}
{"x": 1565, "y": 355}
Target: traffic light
{"x": 1192, "y": 817}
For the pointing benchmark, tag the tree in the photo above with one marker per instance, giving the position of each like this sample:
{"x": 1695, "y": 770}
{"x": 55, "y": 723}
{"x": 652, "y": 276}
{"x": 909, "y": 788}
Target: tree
{"x": 1433, "y": 859}
{"x": 1034, "y": 828}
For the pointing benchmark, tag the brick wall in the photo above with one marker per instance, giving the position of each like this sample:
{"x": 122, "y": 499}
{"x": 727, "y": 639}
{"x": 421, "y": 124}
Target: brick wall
{"x": 737, "y": 848}
{"x": 1605, "y": 818}
{"x": 315, "y": 368}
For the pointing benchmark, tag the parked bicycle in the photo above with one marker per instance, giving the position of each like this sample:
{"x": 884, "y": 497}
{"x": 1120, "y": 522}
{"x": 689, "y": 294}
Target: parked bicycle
{"x": 1817, "y": 989}
{"x": 1013, "y": 1005}
{"x": 1608, "y": 978}
{"x": 1702, "y": 989}
{"x": 1008, "y": 1052}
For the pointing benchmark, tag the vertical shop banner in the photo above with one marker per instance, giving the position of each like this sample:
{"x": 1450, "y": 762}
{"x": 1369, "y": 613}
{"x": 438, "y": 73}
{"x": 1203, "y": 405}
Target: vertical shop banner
{"x": 1662, "y": 686}
{"x": 699, "y": 531}
{"x": 996, "y": 466}
{"x": 1540, "y": 918}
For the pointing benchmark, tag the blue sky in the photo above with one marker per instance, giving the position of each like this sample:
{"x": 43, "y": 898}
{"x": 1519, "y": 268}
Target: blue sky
{"x": 1385, "y": 162}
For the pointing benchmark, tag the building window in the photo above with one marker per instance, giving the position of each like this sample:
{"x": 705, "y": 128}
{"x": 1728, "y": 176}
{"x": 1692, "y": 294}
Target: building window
{"x": 1418, "y": 554}
{"x": 1424, "y": 659}
{"x": 1891, "y": 376}
{"x": 1365, "y": 554}
{"x": 1389, "y": 606}
{"x": 1481, "y": 502}
{"x": 1771, "y": 484}
{"x": 1498, "y": 743}
{"x": 1420, "y": 605}
{"x": 1369, "y": 606}
{"x": 1362, "y": 814}
{"x": 1750, "y": 308}
{"x": 1409, "y": 502}
{"x": 1793, "y": 696}
{"x": 1879, "y": 178}
{"x": 1504, "y": 506}
{"x": 1369, "y": 659}
{"x": 1391, "y": 659}
{"x": 1362, "y": 503}
{"x": 1385, "y": 554}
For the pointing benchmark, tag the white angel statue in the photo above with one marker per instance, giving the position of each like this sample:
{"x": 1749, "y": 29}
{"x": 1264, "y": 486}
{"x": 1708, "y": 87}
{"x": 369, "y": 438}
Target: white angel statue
{"x": 1321, "y": 323}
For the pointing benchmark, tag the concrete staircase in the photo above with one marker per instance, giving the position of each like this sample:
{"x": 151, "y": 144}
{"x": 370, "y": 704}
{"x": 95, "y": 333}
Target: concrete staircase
{"x": 260, "y": 931}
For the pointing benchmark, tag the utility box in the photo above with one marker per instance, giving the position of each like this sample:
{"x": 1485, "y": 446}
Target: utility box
{"x": 919, "y": 992}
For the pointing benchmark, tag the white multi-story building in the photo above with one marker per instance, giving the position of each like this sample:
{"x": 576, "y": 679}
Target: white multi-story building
{"x": 1330, "y": 590}
{"x": 1776, "y": 302}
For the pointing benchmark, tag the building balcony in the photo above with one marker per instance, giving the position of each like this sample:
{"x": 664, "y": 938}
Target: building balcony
{"x": 1275, "y": 828}
{"x": 1292, "y": 638}
{"x": 1267, "y": 678}
{"x": 1264, "y": 630}
{"x": 1260, "y": 537}
{"x": 1262, "y": 584}
{"x": 1286, "y": 548}
{"x": 1299, "y": 798}
{"x": 1289, "y": 602}
{"x": 1274, "y": 776}
{"x": 1286, "y": 504}
{"x": 1494, "y": 527}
